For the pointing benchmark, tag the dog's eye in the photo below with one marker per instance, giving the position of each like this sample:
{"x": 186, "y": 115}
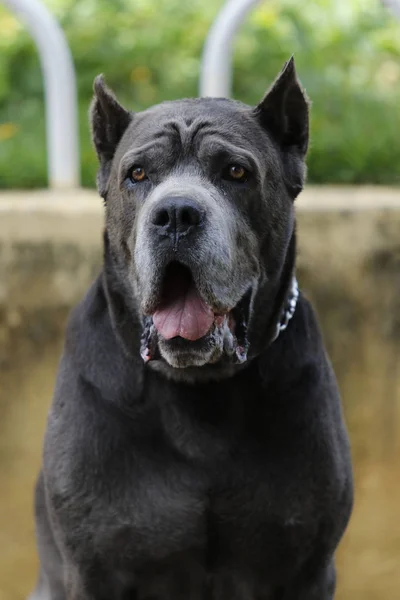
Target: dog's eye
{"x": 236, "y": 173}
{"x": 137, "y": 174}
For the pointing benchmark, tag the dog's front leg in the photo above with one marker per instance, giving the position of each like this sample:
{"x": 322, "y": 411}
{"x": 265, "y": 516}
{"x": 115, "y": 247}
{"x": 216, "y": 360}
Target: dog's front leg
{"x": 317, "y": 585}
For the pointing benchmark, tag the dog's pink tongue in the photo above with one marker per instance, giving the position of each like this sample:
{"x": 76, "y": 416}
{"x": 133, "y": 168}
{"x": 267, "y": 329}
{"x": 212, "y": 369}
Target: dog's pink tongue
{"x": 184, "y": 314}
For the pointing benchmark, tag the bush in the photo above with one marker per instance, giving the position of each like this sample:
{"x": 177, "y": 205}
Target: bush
{"x": 347, "y": 54}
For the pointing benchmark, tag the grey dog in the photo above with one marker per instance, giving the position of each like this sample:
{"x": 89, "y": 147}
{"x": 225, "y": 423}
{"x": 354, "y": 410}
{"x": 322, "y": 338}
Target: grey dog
{"x": 195, "y": 447}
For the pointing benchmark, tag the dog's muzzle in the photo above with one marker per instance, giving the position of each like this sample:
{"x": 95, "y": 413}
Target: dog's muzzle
{"x": 184, "y": 322}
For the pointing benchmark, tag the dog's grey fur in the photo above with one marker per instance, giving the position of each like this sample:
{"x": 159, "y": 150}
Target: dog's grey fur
{"x": 220, "y": 470}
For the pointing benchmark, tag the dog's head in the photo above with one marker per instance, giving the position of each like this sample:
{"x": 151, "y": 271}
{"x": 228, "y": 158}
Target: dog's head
{"x": 199, "y": 217}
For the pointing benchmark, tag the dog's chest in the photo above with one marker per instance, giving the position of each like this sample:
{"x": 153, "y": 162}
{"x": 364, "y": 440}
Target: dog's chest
{"x": 209, "y": 525}
{"x": 210, "y": 492}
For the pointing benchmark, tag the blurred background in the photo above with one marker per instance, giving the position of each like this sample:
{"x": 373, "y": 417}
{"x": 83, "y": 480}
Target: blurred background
{"x": 348, "y": 58}
{"x": 347, "y": 53}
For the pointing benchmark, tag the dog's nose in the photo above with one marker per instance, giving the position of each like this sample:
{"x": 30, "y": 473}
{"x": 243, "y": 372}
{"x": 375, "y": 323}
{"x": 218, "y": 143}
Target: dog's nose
{"x": 177, "y": 216}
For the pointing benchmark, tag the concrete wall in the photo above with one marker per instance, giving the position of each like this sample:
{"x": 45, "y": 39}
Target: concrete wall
{"x": 348, "y": 264}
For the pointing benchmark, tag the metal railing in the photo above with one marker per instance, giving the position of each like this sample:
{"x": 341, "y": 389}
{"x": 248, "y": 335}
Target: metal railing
{"x": 393, "y": 6}
{"x": 60, "y": 83}
{"x": 60, "y": 91}
{"x": 216, "y": 67}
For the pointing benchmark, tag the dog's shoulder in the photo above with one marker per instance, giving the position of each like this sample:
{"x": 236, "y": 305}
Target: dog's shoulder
{"x": 96, "y": 381}
{"x": 98, "y": 388}
{"x": 296, "y": 374}
{"x": 298, "y": 353}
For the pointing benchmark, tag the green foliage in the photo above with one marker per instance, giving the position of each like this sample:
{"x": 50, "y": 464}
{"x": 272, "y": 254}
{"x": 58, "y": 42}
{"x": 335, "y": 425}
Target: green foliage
{"x": 347, "y": 54}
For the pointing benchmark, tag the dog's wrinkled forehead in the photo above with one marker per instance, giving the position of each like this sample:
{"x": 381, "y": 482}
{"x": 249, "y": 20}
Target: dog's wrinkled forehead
{"x": 190, "y": 129}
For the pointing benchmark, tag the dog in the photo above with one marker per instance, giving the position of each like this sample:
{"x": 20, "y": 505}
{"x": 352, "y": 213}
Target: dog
{"x": 195, "y": 447}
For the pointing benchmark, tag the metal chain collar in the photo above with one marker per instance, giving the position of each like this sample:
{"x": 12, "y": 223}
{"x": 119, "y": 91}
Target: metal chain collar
{"x": 289, "y": 309}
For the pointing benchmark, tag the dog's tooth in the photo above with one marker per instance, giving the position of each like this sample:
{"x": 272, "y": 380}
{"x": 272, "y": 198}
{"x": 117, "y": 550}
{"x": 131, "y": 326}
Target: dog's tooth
{"x": 148, "y": 346}
{"x": 229, "y": 342}
{"x": 241, "y": 354}
{"x": 145, "y": 354}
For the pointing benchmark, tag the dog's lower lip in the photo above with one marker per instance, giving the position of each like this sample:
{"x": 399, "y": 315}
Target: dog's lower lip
{"x": 219, "y": 319}
{"x": 226, "y": 331}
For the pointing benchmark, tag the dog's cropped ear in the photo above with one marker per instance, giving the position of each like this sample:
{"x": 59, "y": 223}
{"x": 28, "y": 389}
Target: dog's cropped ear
{"x": 284, "y": 113}
{"x": 109, "y": 121}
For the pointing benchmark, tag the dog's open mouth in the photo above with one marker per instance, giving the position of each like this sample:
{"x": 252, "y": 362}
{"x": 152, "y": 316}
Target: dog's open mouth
{"x": 182, "y": 312}
{"x": 185, "y": 321}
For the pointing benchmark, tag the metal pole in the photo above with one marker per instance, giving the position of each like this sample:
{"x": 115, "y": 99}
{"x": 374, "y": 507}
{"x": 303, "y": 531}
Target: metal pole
{"x": 216, "y": 67}
{"x": 60, "y": 91}
{"x": 393, "y": 5}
